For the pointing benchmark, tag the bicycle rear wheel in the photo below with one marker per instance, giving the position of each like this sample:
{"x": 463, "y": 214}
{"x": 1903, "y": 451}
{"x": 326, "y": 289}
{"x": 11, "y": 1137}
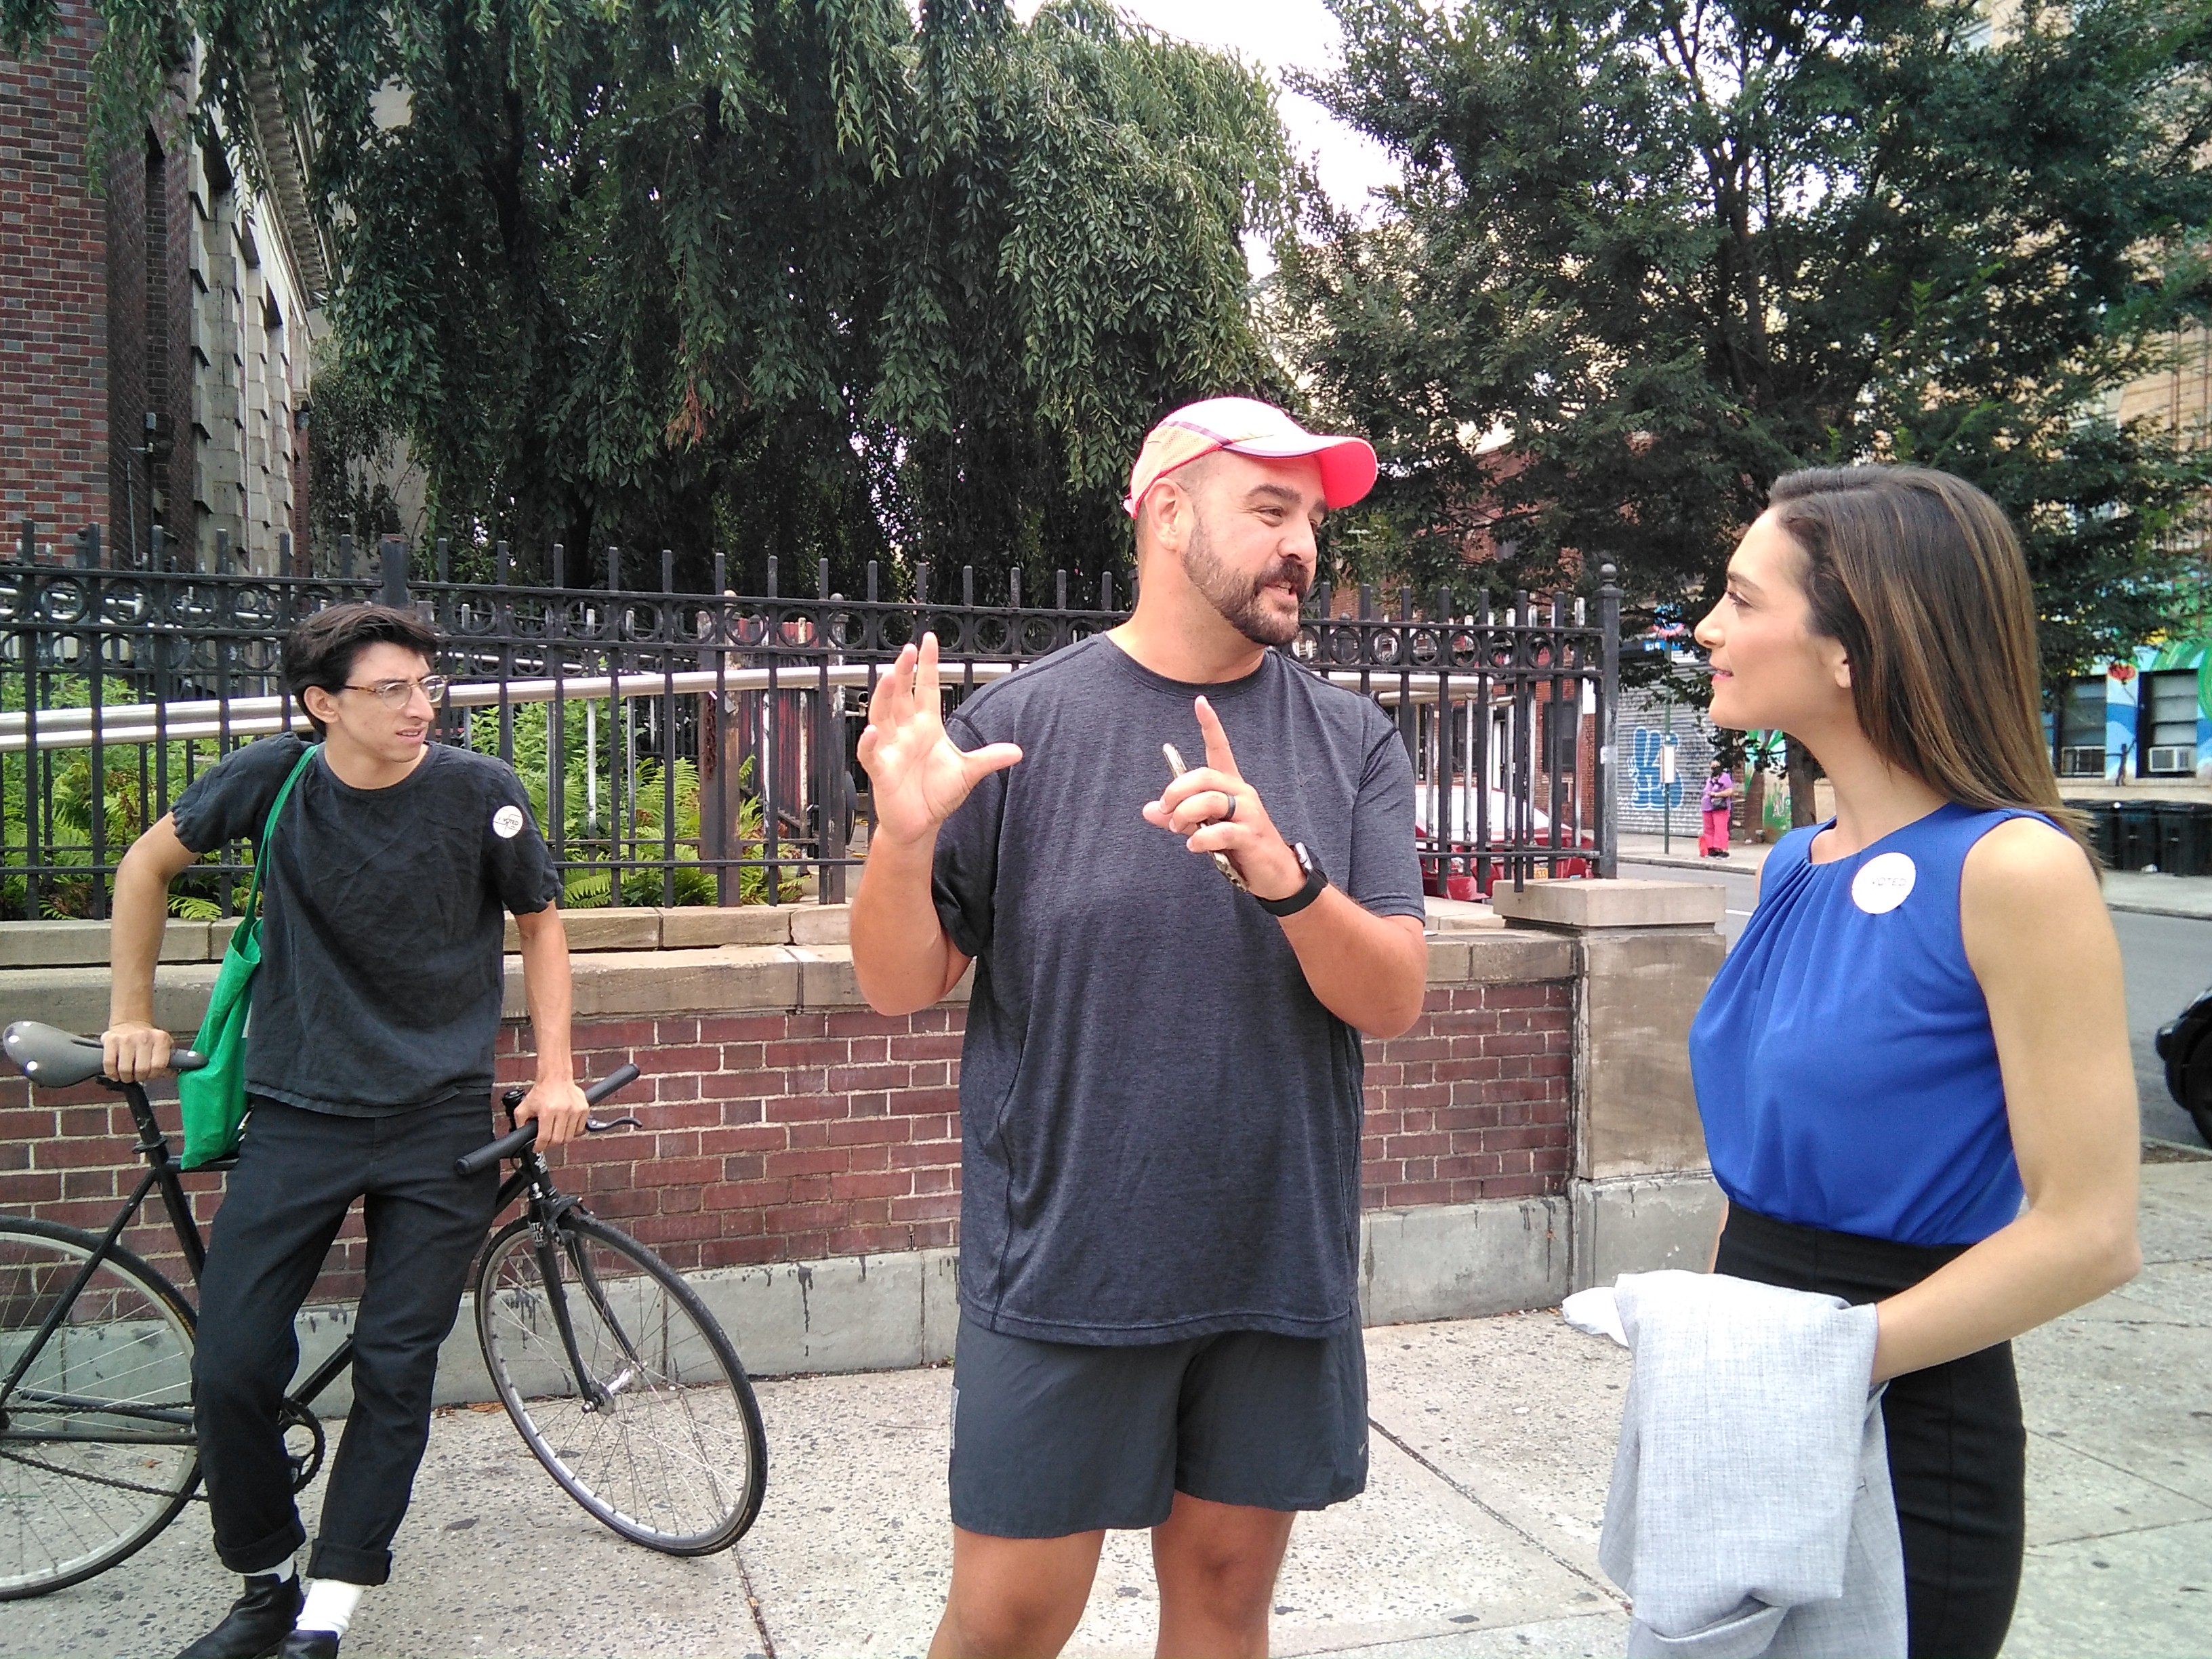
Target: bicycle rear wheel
{"x": 659, "y": 1437}
{"x": 96, "y": 1448}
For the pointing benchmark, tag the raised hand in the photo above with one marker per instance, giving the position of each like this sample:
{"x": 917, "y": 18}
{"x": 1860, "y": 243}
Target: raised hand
{"x": 918, "y": 774}
{"x": 1215, "y": 811}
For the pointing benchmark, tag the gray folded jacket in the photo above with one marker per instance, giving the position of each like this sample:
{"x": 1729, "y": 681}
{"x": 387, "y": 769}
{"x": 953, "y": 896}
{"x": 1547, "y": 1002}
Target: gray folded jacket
{"x": 1751, "y": 1510}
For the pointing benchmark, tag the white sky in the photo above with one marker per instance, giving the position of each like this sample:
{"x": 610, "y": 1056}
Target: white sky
{"x": 1279, "y": 35}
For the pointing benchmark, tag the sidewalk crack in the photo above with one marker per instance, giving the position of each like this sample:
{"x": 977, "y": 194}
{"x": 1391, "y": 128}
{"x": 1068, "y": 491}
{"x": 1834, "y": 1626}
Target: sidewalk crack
{"x": 1602, "y": 1586}
{"x": 2065, "y": 1444}
{"x": 753, "y": 1601}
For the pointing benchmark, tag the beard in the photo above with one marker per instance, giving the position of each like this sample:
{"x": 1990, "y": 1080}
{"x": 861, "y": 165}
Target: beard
{"x": 1238, "y": 597}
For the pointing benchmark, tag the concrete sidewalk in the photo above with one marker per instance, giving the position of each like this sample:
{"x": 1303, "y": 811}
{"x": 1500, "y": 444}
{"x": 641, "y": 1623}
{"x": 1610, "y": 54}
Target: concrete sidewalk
{"x": 2187, "y": 896}
{"x": 1493, "y": 1445}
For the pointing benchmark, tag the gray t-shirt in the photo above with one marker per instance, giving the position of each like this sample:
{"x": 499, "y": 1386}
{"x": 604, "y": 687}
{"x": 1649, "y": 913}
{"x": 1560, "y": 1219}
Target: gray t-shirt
{"x": 1160, "y": 1122}
{"x": 381, "y": 974}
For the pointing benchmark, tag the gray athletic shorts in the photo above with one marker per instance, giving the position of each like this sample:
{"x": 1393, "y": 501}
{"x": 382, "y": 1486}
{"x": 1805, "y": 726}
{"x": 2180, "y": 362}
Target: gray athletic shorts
{"x": 1050, "y": 1438}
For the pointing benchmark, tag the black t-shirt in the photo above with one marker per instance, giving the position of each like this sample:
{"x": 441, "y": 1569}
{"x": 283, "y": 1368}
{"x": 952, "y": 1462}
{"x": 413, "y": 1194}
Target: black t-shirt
{"x": 381, "y": 977}
{"x": 1160, "y": 1121}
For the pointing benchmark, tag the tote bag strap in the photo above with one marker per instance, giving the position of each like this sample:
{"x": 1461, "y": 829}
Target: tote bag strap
{"x": 253, "y": 910}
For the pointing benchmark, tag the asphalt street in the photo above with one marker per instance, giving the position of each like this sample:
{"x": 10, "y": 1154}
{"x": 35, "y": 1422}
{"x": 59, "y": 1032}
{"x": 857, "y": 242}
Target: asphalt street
{"x": 2168, "y": 960}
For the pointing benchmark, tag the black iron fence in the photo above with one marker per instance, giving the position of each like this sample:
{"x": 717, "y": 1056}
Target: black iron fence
{"x": 699, "y": 748}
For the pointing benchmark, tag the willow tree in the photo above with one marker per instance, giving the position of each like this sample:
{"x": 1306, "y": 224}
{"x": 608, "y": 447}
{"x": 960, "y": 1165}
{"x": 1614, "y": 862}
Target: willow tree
{"x": 813, "y": 279}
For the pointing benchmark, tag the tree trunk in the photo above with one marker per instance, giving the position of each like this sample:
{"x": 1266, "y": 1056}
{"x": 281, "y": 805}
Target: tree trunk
{"x": 1754, "y": 804}
{"x": 1803, "y": 769}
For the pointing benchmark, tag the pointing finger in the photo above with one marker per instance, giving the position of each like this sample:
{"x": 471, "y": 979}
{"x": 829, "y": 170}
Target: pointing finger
{"x": 1217, "y": 755}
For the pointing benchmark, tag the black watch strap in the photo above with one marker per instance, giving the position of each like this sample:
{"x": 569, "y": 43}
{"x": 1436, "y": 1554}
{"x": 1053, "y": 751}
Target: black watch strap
{"x": 1316, "y": 881}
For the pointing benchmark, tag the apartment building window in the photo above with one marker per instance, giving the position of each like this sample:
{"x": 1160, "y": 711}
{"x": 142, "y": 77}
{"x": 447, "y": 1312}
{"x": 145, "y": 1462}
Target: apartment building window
{"x": 2081, "y": 729}
{"x": 2166, "y": 730}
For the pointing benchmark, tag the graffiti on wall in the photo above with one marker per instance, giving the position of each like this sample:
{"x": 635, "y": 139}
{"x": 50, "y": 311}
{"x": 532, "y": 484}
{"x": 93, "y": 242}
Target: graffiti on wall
{"x": 1646, "y": 777}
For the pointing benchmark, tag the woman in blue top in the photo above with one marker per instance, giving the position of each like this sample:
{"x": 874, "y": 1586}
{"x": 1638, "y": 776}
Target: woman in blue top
{"x": 1922, "y": 1024}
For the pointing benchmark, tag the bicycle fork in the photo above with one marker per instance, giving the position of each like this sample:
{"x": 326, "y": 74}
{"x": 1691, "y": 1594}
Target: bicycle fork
{"x": 543, "y": 1233}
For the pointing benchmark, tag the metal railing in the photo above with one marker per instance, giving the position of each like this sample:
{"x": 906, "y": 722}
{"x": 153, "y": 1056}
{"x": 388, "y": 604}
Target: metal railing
{"x": 699, "y": 748}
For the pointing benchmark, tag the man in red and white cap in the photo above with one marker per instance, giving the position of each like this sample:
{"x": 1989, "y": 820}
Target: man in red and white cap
{"x": 1160, "y": 1078}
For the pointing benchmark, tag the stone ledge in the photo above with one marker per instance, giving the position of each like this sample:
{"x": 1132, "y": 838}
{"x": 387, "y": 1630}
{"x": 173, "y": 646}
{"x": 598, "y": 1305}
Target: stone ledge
{"x": 1642, "y": 1224}
{"x": 686, "y": 927}
{"x": 1588, "y": 906}
{"x": 715, "y": 980}
{"x": 76, "y": 999}
{"x": 34, "y": 945}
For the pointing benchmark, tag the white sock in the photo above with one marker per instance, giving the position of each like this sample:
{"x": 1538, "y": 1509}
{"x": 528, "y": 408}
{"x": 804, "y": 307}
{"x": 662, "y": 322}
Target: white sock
{"x": 289, "y": 1568}
{"x": 330, "y": 1604}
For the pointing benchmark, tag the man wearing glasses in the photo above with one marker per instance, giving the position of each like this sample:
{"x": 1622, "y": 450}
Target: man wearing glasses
{"x": 368, "y": 1071}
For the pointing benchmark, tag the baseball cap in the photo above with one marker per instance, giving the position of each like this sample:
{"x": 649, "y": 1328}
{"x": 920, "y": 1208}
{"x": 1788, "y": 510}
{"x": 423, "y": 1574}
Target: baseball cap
{"x": 1249, "y": 427}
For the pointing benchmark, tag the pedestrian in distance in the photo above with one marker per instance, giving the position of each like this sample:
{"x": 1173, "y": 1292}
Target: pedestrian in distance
{"x": 368, "y": 1071}
{"x": 1720, "y": 790}
{"x": 1923, "y": 1022}
{"x": 1160, "y": 1080}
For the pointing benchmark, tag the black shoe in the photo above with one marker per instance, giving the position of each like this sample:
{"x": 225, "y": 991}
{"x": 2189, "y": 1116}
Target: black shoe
{"x": 310, "y": 1644}
{"x": 258, "y": 1621}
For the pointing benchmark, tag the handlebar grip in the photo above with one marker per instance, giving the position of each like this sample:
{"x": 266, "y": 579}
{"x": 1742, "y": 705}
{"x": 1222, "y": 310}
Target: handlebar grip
{"x": 517, "y": 1141}
{"x": 508, "y": 1145}
{"x": 621, "y": 1078}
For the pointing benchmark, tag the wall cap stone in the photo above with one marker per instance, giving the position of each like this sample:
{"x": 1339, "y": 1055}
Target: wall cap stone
{"x": 1588, "y": 906}
{"x": 43, "y": 944}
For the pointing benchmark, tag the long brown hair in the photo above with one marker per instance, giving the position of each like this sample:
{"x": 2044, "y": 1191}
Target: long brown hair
{"x": 1919, "y": 575}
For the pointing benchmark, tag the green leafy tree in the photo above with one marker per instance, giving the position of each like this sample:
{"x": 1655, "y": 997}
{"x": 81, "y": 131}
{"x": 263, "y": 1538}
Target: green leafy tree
{"x": 811, "y": 278}
{"x": 1670, "y": 249}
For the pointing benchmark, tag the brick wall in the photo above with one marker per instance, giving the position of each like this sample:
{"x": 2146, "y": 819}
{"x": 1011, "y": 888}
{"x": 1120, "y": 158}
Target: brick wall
{"x": 168, "y": 325}
{"x": 54, "y": 453}
{"x": 783, "y": 1137}
{"x": 127, "y": 357}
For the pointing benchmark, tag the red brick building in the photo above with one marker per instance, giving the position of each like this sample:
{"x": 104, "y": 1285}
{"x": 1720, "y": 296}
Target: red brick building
{"x": 153, "y": 324}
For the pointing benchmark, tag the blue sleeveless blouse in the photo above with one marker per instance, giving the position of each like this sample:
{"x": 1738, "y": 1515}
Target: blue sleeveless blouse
{"x": 1842, "y": 1057}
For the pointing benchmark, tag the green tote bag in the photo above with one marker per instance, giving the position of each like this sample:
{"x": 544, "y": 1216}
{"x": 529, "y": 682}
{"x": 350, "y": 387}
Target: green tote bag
{"x": 214, "y": 1097}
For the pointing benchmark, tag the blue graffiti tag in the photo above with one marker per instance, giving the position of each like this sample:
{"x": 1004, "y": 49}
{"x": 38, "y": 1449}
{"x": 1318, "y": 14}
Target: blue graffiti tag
{"x": 1643, "y": 771}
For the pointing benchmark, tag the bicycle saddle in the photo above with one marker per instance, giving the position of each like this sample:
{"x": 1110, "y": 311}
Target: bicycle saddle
{"x": 58, "y": 1059}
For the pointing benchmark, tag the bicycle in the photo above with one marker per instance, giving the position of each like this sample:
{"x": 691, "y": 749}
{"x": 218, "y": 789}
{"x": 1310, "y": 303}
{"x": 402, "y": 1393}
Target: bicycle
{"x": 618, "y": 1379}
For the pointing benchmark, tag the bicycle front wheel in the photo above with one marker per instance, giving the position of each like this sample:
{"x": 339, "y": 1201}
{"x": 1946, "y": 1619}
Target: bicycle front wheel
{"x": 652, "y": 1426}
{"x": 96, "y": 1448}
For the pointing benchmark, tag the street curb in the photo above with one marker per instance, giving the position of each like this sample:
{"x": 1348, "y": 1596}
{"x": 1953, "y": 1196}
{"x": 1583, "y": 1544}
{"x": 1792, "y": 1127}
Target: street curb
{"x": 2156, "y": 910}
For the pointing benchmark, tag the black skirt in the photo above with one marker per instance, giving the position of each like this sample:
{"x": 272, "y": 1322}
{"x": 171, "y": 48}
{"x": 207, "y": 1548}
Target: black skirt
{"x": 1957, "y": 1449}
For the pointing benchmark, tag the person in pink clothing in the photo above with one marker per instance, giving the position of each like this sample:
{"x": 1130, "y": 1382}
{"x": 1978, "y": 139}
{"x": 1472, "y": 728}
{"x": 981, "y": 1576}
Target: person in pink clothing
{"x": 1720, "y": 790}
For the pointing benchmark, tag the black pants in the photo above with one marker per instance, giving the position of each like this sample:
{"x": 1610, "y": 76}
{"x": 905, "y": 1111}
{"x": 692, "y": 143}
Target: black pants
{"x": 297, "y": 1173}
{"x": 1957, "y": 1449}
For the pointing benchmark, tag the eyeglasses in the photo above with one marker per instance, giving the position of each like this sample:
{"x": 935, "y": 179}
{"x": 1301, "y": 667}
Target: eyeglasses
{"x": 395, "y": 693}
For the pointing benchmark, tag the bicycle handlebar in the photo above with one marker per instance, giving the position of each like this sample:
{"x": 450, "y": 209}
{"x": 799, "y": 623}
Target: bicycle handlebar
{"x": 515, "y": 1143}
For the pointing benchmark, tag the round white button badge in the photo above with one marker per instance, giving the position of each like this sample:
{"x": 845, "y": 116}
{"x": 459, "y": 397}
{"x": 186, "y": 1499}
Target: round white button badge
{"x": 1883, "y": 883}
{"x": 507, "y": 822}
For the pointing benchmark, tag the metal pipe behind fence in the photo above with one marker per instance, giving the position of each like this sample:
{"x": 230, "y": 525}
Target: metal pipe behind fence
{"x": 1608, "y": 706}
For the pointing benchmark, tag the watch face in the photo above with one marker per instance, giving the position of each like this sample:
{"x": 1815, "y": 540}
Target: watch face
{"x": 1304, "y": 858}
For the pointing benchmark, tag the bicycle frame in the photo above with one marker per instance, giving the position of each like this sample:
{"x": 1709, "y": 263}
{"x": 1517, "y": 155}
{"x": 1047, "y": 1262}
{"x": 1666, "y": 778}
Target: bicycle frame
{"x": 163, "y": 1173}
{"x": 529, "y": 1180}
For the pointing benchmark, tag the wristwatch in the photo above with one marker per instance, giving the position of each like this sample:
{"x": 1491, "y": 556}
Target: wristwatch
{"x": 1316, "y": 880}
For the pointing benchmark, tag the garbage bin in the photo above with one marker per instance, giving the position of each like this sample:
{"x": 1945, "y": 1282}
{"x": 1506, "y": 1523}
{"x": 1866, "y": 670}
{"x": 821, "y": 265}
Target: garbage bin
{"x": 2185, "y": 838}
{"x": 2103, "y": 817}
{"x": 2135, "y": 834}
